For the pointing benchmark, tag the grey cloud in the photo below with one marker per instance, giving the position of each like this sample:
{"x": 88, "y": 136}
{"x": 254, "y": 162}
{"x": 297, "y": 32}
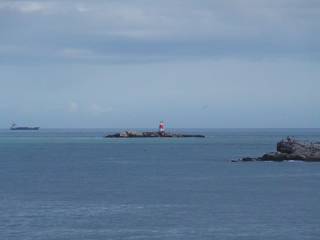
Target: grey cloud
{"x": 96, "y": 31}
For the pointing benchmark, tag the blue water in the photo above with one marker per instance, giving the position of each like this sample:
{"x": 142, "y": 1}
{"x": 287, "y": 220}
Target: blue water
{"x": 74, "y": 184}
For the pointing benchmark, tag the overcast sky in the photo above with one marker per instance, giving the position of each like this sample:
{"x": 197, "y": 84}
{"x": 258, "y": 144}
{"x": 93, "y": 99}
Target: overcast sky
{"x": 132, "y": 63}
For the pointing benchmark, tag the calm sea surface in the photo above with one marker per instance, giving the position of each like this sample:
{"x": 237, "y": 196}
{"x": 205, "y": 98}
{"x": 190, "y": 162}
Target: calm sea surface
{"x": 75, "y": 184}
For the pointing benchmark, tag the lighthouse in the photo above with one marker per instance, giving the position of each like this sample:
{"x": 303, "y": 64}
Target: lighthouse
{"x": 161, "y": 128}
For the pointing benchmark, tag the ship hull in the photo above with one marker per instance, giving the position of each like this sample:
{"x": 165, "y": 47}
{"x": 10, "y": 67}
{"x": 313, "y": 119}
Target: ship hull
{"x": 24, "y": 128}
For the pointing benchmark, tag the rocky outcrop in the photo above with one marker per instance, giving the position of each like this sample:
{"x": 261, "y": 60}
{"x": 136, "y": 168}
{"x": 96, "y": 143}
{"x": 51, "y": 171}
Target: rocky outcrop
{"x": 132, "y": 134}
{"x": 291, "y": 149}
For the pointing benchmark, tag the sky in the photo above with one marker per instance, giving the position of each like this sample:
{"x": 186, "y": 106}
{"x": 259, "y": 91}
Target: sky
{"x": 132, "y": 63}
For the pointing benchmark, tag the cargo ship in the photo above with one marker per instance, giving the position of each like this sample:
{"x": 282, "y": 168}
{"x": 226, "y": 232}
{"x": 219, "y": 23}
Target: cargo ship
{"x": 14, "y": 127}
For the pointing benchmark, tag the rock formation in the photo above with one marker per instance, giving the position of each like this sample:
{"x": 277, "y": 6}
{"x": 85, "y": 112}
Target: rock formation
{"x": 291, "y": 149}
{"x": 132, "y": 134}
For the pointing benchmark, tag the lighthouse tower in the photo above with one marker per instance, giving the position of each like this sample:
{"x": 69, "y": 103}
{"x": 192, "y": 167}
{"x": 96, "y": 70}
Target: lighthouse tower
{"x": 161, "y": 128}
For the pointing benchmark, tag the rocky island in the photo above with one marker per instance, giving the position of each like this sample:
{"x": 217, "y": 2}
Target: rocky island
{"x": 132, "y": 134}
{"x": 290, "y": 149}
{"x": 161, "y": 133}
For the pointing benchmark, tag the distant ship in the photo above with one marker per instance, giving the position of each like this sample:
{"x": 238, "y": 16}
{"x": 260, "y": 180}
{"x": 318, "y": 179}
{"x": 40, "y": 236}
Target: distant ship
{"x": 14, "y": 127}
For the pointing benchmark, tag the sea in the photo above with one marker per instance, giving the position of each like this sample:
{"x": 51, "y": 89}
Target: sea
{"x": 74, "y": 184}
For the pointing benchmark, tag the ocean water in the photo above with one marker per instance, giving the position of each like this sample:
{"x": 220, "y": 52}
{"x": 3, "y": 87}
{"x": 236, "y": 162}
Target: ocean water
{"x": 75, "y": 184}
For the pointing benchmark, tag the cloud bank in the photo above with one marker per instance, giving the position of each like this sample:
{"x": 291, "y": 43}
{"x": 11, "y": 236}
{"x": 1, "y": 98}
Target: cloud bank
{"x": 144, "y": 31}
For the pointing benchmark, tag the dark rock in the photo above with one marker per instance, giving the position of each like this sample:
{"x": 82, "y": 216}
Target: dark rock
{"x": 291, "y": 150}
{"x": 276, "y": 156}
{"x": 132, "y": 134}
{"x": 248, "y": 159}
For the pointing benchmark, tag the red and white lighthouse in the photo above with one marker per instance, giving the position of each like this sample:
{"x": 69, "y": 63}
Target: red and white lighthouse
{"x": 161, "y": 127}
